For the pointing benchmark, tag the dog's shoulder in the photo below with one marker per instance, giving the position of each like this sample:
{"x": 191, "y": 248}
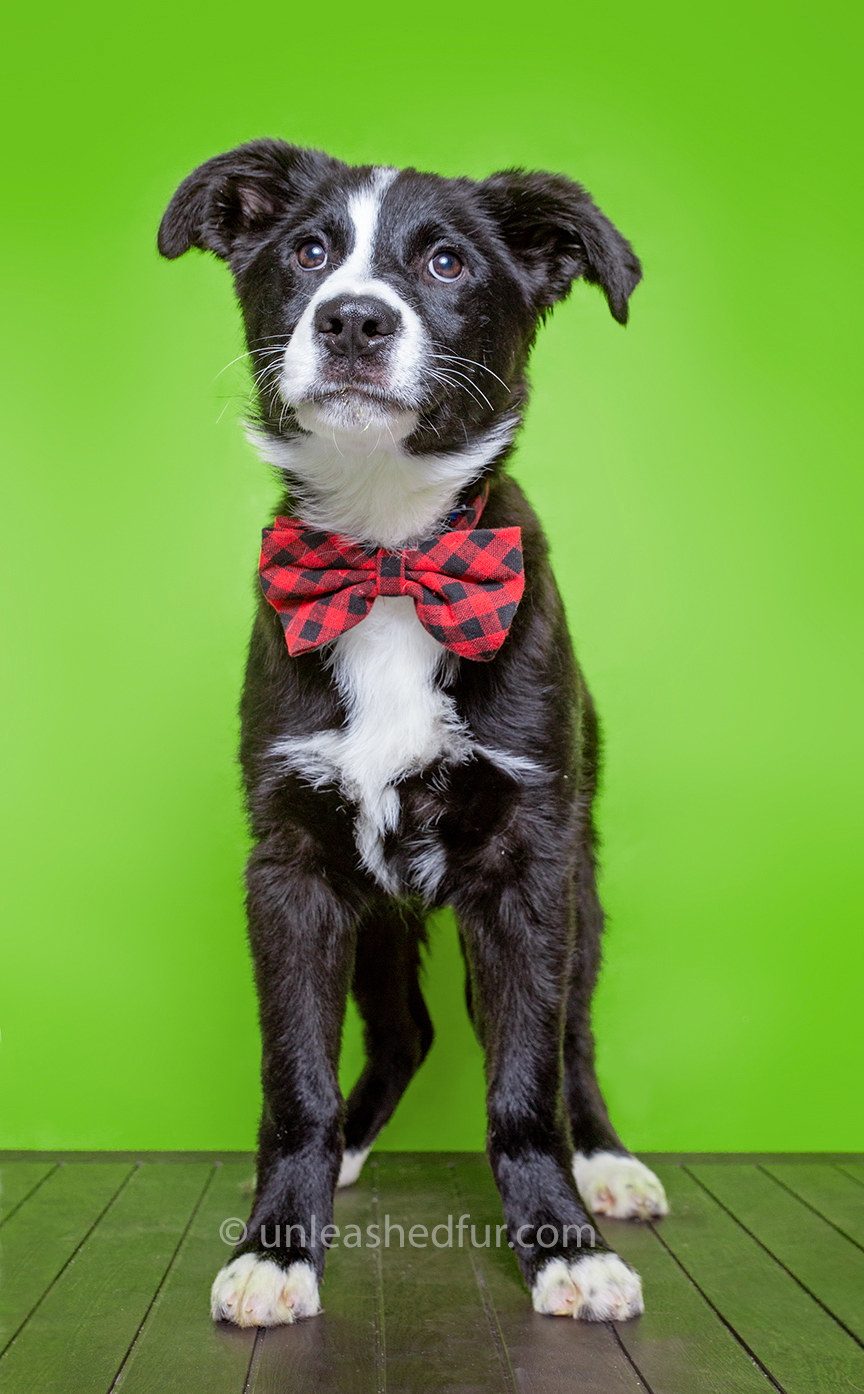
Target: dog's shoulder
{"x": 508, "y": 506}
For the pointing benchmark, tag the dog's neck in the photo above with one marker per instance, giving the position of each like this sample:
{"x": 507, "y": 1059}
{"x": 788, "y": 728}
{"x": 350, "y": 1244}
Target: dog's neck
{"x": 376, "y": 491}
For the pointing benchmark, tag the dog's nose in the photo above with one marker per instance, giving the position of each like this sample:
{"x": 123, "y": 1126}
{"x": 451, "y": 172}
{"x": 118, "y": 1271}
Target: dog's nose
{"x": 355, "y": 326}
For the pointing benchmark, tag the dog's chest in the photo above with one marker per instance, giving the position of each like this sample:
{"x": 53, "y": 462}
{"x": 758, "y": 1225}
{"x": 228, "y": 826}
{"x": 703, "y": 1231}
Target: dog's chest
{"x": 400, "y": 718}
{"x": 391, "y": 675}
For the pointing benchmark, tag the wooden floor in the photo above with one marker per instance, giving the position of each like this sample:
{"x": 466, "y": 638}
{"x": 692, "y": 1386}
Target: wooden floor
{"x": 754, "y": 1282}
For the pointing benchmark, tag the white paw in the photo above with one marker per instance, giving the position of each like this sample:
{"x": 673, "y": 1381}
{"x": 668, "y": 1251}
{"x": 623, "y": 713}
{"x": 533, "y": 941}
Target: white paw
{"x": 598, "y": 1287}
{"x": 352, "y": 1165}
{"x": 254, "y": 1291}
{"x": 622, "y": 1187}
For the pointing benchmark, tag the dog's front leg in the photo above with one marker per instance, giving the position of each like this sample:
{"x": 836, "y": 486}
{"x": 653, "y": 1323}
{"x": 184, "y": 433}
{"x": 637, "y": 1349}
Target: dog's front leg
{"x": 517, "y": 937}
{"x": 302, "y": 935}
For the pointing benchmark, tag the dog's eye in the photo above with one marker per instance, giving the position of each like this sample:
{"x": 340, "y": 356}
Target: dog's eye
{"x": 446, "y": 266}
{"x": 312, "y": 256}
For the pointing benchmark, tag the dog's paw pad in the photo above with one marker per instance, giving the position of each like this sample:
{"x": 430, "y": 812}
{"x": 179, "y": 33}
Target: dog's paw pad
{"x": 619, "y": 1186}
{"x": 255, "y": 1291}
{"x": 598, "y": 1287}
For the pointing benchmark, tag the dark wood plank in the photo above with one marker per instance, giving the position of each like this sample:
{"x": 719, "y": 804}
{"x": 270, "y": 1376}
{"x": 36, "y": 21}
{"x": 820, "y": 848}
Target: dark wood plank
{"x": 828, "y": 1190}
{"x": 679, "y": 1345}
{"x": 824, "y": 1262}
{"x": 341, "y": 1349}
{"x": 18, "y": 1180}
{"x": 802, "y": 1346}
{"x": 179, "y": 1350}
{"x": 437, "y": 1334}
{"x": 80, "y": 1332}
{"x": 41, "y": 1236}
{"x": 546, "y": 1355}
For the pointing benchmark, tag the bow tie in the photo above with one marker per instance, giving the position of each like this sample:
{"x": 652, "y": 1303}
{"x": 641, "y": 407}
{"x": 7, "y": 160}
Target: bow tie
{"x": 465, "y": 583}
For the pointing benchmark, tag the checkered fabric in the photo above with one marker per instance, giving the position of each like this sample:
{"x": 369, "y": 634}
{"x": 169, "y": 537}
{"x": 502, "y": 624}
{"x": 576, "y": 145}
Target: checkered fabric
{"x": 465, "y": 583}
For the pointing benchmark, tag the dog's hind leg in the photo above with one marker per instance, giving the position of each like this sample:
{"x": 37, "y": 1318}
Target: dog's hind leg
{"x": 589, "y": 1119}
{"x": 397, "y": 1028}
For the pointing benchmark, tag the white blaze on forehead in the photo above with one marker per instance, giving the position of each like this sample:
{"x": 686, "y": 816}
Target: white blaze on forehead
{"x": 304, "y": 356}
{"x": 364, "y": 209}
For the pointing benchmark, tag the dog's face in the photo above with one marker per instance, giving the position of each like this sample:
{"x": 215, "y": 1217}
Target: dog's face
{"x": 401, "y": 301}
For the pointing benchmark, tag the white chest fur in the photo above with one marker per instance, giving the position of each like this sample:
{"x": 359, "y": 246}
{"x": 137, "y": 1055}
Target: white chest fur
{"x": 392, "y": 677}
{"x": 391, "y": 674}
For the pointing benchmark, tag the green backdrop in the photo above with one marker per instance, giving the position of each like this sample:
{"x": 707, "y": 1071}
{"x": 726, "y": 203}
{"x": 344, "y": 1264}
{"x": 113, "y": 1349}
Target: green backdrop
{"x": 696, "y": 474}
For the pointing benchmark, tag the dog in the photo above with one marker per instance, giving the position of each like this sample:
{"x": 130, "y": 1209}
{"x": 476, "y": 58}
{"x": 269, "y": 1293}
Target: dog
{"x": 415, "y": 729}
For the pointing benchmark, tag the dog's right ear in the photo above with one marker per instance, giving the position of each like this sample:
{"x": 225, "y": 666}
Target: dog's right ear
{"x": 558, "y": 234}
{"x": 235, "y": 197}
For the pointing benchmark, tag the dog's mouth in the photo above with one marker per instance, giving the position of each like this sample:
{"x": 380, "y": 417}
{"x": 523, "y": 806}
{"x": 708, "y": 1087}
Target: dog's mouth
{"x": 342, "y": 392}
{"x": 354, "y": 407}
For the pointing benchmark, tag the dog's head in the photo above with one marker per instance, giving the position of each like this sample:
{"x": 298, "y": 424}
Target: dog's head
{"x": 387, "y": 298}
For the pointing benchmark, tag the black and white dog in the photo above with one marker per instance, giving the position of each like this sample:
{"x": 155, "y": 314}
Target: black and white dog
{"x": 389, "y": 317}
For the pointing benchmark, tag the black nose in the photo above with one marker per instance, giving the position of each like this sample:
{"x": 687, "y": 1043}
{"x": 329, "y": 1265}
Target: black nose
{"x": 355, "y": 326}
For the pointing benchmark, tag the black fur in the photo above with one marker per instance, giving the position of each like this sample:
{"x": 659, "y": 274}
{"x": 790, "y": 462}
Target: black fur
{"x": 518, "y": 849}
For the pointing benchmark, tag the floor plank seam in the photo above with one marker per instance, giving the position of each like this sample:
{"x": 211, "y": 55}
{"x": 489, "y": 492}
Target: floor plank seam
{"x": 780, "y": 1264}
{"x": 760, "y": 1365}
{"x": 59, "y": 1274}
{"x": 31, "y": 1192}
{"x": 254, "y": 1358}
{"x": 844, "y": 1169}
{"x": 489, "y": 1308}
{"x": 613, "y": 1326}
{"x": 162, "y": 1281}
{"x": 810, "y": 1206}
{"x": 380, "y": 1326}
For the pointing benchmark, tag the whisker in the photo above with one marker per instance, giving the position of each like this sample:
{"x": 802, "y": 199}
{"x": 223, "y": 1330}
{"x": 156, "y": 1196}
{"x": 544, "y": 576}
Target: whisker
{"x": 429, "y": 422}
{"x": 467, "y": 384}
{"x": 247, "y": 354}
{"x": 269, "y": 370}
{"x": 259, "y": 381}
{"x": 264, "y": 372}
{"x": 467, "y": 378}
{"x": 470, "y": 382}
{"x": 458, "y": 357}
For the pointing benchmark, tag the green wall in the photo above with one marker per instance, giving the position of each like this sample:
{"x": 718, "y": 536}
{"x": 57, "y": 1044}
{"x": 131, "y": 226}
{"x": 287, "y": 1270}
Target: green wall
{"x": 695, "y": 472}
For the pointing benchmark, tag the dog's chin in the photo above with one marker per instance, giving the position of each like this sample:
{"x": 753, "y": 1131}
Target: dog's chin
{"x": 356, "y": 415}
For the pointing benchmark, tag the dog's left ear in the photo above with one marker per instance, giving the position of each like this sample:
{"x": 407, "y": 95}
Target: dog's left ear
{"x": 225, "y": 204}
{"x": 558, "y": 234}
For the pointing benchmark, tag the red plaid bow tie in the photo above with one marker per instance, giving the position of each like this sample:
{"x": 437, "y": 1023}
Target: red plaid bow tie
{"x": 466, "y": 584}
